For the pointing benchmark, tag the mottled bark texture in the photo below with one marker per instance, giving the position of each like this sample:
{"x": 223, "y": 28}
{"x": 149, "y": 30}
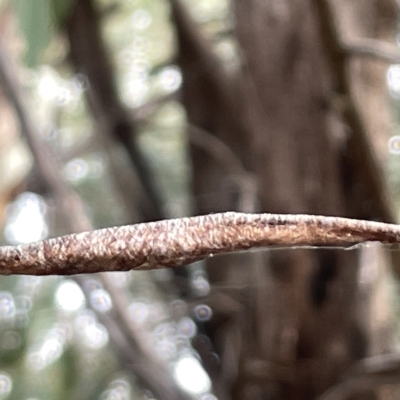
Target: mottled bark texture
{"x": 177, "y": 242}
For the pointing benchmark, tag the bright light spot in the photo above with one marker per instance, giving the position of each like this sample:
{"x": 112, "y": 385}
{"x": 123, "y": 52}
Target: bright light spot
{"x": 5, "y": 385}
{"x": 50, "y": 350}
{"x": 166, "y": 348}
{"x": 141, "y": 19}
{"x": 394, "y": 145}
{"x": 208, "y": 396}
{"x": 138, "y": 311}
{"x": 7, "y": 305}
{"x": 95, "y": 336}
{"x": 26, "y": 219}
{"x": 76, "y": 170}
{"x": 135, "y": 92}
{"x": 100, "y": 300}
{"x": 187, "y": 327}
{"x": 48, "y": 86}
{"x": 63, "y": 96}
{"x": 170, "y": 78}
{"x": 191, "y": 376}
{"x": 393, "y": 80}
{"x": 55, "y": 89}
{"x": 119, "y": 390}
{"x": 136, "y": 87}
{"x": 200, "y": 284}
{"x": 202, "y": 312}
{"x": 69, "y": 296}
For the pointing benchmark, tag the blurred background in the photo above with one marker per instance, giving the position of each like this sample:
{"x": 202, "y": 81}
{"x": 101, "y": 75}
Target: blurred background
{"x": 122, "y": 111}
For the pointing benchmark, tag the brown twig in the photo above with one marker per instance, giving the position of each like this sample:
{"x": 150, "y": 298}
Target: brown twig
{"x": 177, "y": 242}
{"x": 372, "y": 48}
{"x": 127, "y": 343}
{"x": 46, "y": 166}
{"x": 368, "y": 374}
{"x": 359, "y": 149}
{"x": 216, "y": 148}
{"x": 89, "y": 56}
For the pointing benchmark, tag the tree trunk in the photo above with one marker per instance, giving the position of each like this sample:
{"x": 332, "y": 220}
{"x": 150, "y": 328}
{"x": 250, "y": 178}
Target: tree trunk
{"x": 288, "y": 324}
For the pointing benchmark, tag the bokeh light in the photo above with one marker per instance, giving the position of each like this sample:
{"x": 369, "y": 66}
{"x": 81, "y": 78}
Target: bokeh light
{"x": 394, "y": 145}
{"x": 202, "y": 312}
{"x": 138, "y": 311}
{"x": 5, "y": 385}
{"x": 26, "y": 219}
{"x": 92, "y": 334}
{"x": 100, "y": 300}
{"x": 191, "y": 376}
{"x": 52, "y": 347}
{"x": 119, "y": 389}
{"x": 187, "y": 327}
{"x": 69, "y": 296}
{"x": 7, "y": 305}
{"x": 393, "y": 80}
{"x": 170, "y": 78}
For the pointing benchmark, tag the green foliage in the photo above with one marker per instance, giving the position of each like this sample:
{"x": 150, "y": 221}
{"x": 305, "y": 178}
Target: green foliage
{"x": 34, "y": 22}
{"x": 60, "y": 10}
{"x": 38, "y": 21}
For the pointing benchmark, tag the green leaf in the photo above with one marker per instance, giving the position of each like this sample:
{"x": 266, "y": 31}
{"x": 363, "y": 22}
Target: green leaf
{"x": 35, "y": 23}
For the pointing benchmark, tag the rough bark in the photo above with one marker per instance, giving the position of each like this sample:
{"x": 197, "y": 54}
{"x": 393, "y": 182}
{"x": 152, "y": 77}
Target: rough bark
{"x": 178, "y": 242}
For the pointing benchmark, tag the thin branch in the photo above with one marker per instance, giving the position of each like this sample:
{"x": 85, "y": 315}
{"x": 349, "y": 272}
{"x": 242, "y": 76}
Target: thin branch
{"x": 89, "y": 56}
{"x": 176, "y": 242}
{"x": 47, "y": 167}
{"x": 358, "y": 147}
{"x": 372, "y": 48}
{"x": 130, "y": 347}
{"x": 216, "y": 148}
{"x": 367, "y": 375}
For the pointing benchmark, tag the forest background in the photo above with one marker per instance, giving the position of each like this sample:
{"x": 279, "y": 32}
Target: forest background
{"x": 115, "y": 112}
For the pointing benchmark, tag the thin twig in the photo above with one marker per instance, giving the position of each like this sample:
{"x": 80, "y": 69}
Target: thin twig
{"x": 368, "y": 374}
{"x": 372, "y": 48}
{"x": 89, "y": 56}
{"x": 129, "y": 346}
{"x": 222, "y": 153}
{"x": 176, "y": 242}
{"x": 46, "y": 166}
{"x": 358, "y": 146}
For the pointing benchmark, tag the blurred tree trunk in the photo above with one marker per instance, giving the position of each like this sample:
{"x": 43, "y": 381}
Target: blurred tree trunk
{"x": 295, "y": 117}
